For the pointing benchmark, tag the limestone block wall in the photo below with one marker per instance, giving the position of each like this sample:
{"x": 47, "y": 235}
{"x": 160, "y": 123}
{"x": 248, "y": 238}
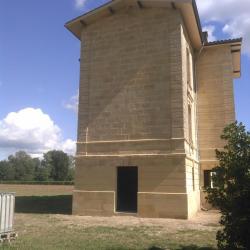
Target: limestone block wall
{"x": 161, "y": 187}
{"x": 131, "y": 78}
{"x": 215, "y": 98}
{"x": 133, "y": 112}
{"x": 215, "y": 103}
{"x": 192, "y": 168}
{"x": 189, "y": 91}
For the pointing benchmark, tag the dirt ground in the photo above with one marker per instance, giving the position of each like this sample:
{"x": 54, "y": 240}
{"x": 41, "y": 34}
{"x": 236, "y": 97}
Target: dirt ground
{"x": 203, "y": 221}
{"x": 66, "y": 232}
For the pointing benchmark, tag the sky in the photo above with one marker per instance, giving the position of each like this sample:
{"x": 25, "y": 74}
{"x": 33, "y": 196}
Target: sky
{"x": 39, "y": 68}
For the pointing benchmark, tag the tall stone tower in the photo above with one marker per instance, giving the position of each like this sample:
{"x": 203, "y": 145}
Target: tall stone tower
{"x": 137, "y": 149}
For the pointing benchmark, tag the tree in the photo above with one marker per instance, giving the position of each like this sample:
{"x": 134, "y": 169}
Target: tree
{"x": 41, "y": 172}
{"x": 7, "y": 172}
{"x": 55, "y": 166}
{"x": 24, "y": 166}
{"x": 57, "y": 163}
{"x": 71, "y": 173}
{"x": 231, "y": 192}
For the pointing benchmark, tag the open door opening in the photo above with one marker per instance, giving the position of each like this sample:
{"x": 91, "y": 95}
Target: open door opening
{"x": 127, "y": 188}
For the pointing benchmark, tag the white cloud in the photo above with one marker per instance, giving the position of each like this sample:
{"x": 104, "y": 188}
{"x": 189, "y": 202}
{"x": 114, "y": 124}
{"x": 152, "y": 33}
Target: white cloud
{"x": 80, "y": 3}
{"x": 72, "y": 104}
{"x": 33, "y": 131}
{"x": 69, "y": 146}
{"x": 234, "y": 15}
{"x": 210, "y": 30}
{"x": 240, "y": 28}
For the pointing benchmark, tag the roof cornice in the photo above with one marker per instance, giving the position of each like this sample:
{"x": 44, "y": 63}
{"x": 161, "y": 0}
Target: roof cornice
{"x": 188, "y": 9}
{"x": 198, "y": 20}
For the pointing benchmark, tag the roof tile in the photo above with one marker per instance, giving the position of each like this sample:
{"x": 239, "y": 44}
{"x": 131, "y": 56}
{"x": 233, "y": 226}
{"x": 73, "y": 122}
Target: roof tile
{"x": 236, "y": 40}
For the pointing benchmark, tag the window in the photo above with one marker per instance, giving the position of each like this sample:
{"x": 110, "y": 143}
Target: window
{"x": 188, "y": 68}
{"x": 190, "y": 124}
{"x": 193, "y": 177}
{"x": 192, "y": 72}
{"x": 208, "y": 180}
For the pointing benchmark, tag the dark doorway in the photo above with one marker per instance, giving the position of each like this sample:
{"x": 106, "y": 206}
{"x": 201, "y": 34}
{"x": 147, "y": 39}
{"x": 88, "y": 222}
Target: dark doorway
{"x": 127, "y": 188}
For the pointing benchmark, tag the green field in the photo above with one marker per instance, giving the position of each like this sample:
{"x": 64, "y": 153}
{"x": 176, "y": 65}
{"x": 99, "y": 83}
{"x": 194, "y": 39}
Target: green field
{"x": 43, "y": 221}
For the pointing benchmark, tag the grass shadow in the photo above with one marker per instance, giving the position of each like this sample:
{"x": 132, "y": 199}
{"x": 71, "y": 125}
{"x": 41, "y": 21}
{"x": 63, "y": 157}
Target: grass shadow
{"x": 59, "y": 204}
{"x": 155, "y": 248}
{"x": 191, "y": 247}
{"x": 194, "y": 247}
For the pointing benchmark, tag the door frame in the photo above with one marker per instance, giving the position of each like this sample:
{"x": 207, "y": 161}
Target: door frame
{"x": 116, "y": 190}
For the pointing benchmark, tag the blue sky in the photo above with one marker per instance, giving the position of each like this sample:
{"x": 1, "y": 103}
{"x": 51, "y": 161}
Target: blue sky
{"x": 39, "y": 69}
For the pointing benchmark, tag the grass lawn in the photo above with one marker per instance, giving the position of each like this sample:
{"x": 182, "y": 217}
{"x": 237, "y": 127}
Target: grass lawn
{"x": 43, "y": 222}
{"x": 37, "y": 190}
{"x": 41, "y": 199}
{"x": 72, "y": 232}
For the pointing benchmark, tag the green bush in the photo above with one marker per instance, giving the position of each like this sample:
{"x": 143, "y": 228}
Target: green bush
{"x": 231, "y": 192}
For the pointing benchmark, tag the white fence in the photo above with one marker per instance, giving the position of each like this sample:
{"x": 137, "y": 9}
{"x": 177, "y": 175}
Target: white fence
{"x": 7, "y": 206}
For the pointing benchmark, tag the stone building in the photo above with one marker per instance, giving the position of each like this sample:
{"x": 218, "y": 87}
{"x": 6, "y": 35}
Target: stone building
{"x": 154, "y": 98}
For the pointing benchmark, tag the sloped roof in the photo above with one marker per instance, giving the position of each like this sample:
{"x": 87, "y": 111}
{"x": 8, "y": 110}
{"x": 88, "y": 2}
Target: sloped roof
{"x": 227, "y": 41}
{"x": 188, "y": 10}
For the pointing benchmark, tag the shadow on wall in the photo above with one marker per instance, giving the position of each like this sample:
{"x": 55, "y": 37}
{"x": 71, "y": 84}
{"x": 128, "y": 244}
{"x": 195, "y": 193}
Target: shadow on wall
{"x": 60, "y": 204}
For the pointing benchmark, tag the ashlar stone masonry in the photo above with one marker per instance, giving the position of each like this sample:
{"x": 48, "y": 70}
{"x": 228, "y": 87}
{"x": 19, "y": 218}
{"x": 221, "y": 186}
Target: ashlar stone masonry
{"x": 154, "y": 97}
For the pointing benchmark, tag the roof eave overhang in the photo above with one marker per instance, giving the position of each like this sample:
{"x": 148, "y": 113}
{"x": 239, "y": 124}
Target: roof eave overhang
{"x": 235, "y": 45}
{"x": 187, "y": 8}
{"x": 192, "y": 22}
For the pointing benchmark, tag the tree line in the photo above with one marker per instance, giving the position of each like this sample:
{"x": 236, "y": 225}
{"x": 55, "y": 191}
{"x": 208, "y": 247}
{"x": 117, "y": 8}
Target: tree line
{"x": 54, "y": 166}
